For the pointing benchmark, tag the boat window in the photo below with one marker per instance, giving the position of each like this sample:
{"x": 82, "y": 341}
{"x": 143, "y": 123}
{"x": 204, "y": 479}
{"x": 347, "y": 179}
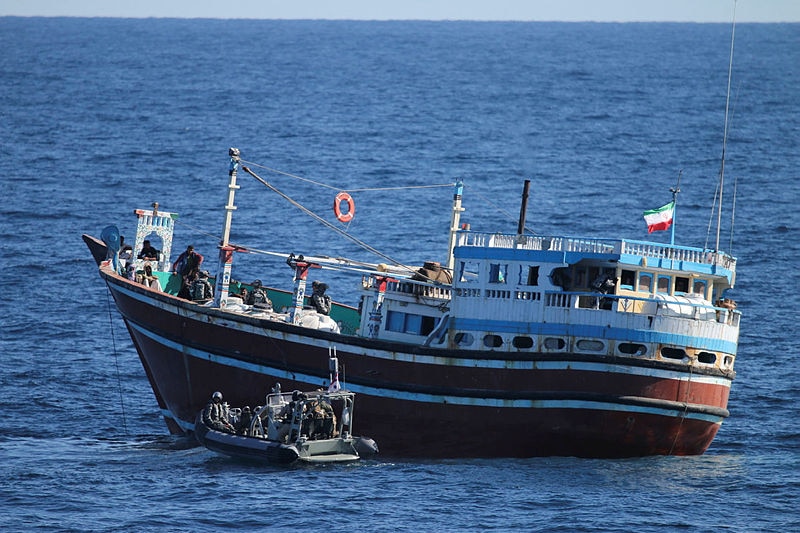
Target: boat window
{"x": 468, "y": 271}
{"x": 707, "y": 357}
{"x": 409, "y": 323}
{"x": 627, "y": 279}
{"x": 699, "y": 287}
{"x": 533, "y": 275}
{"x": 464, "y": 339}
{"x": 630, "y": 348}
{"x": 554, "y": 343}
{"x": 498, "y": 273}
{"x": 560, "y": 277}
{"x": 428, "y": 323}
{"x": 672, "y": 353}
{"x": 681, "y": 285}
{"x": 522, "y": 343}
{"x": 413, "y": 324}
{"x": 492, "y": 341}
{"x": 395, "y": 321}
{"x": 590, "y": 345}
{"x": 663, "y": 284}
{"x": 645, "y": 282}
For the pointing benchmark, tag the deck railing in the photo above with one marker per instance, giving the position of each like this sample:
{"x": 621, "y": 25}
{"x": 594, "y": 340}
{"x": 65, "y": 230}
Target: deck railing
{"x": 411, "y": 287}
{"x": 605, "y": 302}
{"x": 599, "y": 246}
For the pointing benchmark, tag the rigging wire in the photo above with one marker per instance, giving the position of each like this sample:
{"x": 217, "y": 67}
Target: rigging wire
{"x": 334, "y": 263}
{"x": 370, "y": 189}
{"x": 324, "y": 222}
{"x": 276, "y": 171}
{"x": 725, "y": 131}
{"x": 735, "y": 179}
{"x": 325, "y": 185}
{"x": 499, "y": 209}
{"x": 711, "y": 217}
{"x": 733, "y": 213}
{"x": 197, "y": 230}
{"x": 116, "y": 364}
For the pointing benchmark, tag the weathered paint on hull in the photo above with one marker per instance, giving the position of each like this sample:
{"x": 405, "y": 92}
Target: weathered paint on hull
{"x": 427, "y": 402}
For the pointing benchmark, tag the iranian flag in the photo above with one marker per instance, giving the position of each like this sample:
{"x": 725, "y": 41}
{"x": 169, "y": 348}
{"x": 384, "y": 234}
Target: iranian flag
{"x": 659, "y": 219}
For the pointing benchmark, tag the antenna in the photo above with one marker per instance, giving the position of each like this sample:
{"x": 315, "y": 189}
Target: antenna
{"x": 733, "y": 213}
{"x": 725, "y": 131}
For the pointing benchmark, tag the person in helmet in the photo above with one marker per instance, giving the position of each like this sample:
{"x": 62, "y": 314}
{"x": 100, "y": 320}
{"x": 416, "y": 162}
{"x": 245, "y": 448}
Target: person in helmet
{"x": 214, "y": 414}
{"x": 320, "y": 300}
{"x": 201, "y": 290}
{"x": 258, "y": 296}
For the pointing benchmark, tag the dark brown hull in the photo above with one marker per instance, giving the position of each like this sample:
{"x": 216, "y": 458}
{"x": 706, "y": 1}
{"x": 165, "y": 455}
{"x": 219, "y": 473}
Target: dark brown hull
{"x": 413, "y": 400}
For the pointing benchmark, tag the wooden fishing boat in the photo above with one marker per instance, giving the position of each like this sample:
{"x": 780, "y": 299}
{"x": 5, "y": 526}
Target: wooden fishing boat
{"x": 519, "y": 345}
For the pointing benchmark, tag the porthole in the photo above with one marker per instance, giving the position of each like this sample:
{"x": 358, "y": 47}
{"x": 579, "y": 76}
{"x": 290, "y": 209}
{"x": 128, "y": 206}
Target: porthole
{"x": 589, "y": 345}
{"x": 631, "y": 348}
{"x": 673, "y": 353}
{"x": 554, "y": 343}
{"x": 464, "y": 339}
{"x": 522, "y": 343}
{"x": 727, "y": 362}
{"x": 708, "y": 358}
{"x": 492, "y": 341}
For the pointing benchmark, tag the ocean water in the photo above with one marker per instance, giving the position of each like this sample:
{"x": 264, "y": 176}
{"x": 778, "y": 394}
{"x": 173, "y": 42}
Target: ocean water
{"x": 102, "y": 116}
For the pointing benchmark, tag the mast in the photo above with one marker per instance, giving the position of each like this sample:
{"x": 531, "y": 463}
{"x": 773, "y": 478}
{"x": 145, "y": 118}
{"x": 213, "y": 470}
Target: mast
{"x": 725, "y": 132}
{"x": 454, "y": 222}
{"x": 225, "y": 250}
{"x": 674, "y": 190}
{"x": 523, "y": 209}
{"x": 300, "y": 267}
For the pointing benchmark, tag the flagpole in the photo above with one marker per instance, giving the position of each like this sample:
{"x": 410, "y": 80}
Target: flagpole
{"x": 674, "y": 190}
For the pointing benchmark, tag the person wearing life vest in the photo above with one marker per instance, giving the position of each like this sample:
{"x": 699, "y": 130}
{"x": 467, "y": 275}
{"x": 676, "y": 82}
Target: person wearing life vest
{"x": 201, "y": 288}
{"x": 320, "y": 300}
{"x": 213, "y": 415}
{"x": 258, "y": 296}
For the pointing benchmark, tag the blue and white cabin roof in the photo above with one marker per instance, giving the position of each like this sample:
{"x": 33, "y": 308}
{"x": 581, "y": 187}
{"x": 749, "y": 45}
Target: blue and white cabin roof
{"x": 560, "y": 250}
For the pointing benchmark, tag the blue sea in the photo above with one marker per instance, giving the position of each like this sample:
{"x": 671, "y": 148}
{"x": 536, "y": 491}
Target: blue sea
{"x": 99, "y": 117}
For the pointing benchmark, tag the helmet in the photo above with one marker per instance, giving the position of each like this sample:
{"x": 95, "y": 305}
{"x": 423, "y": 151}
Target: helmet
{"x": 217, "y": 396}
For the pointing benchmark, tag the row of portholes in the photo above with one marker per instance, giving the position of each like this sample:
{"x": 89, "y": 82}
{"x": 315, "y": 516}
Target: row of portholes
{"x": 558, "y": 344}
{"x": 706, "y": 358}
{"x": 521, "y": 342}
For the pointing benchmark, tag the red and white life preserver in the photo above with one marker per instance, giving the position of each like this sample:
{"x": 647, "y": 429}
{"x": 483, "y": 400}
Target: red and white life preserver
{"x": 337, "y": 207}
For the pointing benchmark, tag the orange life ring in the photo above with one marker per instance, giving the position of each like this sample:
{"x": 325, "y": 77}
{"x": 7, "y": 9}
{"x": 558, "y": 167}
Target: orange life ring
{"x": 337, "y": 207}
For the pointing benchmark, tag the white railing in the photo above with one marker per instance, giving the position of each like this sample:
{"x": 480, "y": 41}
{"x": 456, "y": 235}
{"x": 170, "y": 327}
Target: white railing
{"x": 411, "y": 287}
{"x": 600, "y": 246}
